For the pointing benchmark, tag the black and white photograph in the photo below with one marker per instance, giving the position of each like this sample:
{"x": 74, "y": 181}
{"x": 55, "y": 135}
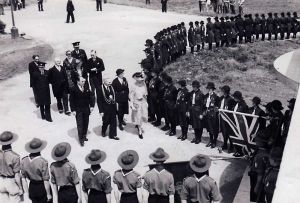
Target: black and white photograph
{"x": 149, "y": 101}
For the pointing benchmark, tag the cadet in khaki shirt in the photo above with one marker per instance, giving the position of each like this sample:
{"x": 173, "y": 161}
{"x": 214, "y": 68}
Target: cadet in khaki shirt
{"x": 64, "y": 177}
{"x": 35, "y": 168}
{"x": 96, "y": 182}
{"x": 126, "y": 180}
{"x": 10, "y": 181}
{"x": 200, "y": 188}
{"x": 158, "y": 182}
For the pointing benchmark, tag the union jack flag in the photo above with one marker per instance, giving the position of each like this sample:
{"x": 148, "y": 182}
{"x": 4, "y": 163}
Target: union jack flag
{"x": 244, "y": 128}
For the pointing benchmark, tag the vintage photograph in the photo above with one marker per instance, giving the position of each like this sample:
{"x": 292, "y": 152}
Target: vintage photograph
{"x": 149, "y": 101}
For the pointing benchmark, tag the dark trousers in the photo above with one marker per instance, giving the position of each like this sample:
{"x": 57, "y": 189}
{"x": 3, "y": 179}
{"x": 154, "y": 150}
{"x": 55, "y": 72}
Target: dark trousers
{"x": 155, "y": 108}
{"x": 276, "y": 34}
{"x": 37, "y": 192}
{"x": 62, "y": 102}
{"x": 45, "y": 112}
{"x": 96, "y": 196}
{"x": 109, "y": 119}
{"x": 23, "y": 3}
{"x": 82, "y": 121}
{"x": 232, "y": 8}
{"x": 171, "y": 114}
{"x": 192, "y": 49}
{"x": 263, "y": 35}
{"x": 198, "y": 134}
{"x": 40, "y": 5}
{"x": 269, "y": 35}
{"x": 147, "y": 1}
{"x": 70, "y": 14}
{"x": 183, "y": 122}
{"x": 200, "y": 6}
{"x": 212, "y": 127}
{"x": 99, "y": 5}
{"x": 122, "y": 110}
{"x": 164, "y": 7}
{"x": 225, "y": 129}
{"x": 210, "y": 46}
{"x": 34, "y": 95}
{"x": 67, "y": 194}
{"x": 158, "y": 199}
{"x": 129, "y": 198}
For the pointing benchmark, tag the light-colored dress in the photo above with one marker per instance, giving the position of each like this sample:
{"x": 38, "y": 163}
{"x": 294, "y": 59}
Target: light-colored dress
{"x": 138, "y": 95}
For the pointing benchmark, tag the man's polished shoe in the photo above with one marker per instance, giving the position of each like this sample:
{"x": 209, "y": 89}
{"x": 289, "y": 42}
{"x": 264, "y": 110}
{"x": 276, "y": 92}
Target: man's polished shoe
{"x": 183, "y": 138}
{"x": 172, "y": 133}
{"x": 103, "y": 134}
{"x": 114, "y": 138}
{"x": 197, "y": 141}
{"x": 121, "y": 127}
{"x": 193, "y": 140}
{"x": 213, "y": 145}
{"x": 165, "y": 128}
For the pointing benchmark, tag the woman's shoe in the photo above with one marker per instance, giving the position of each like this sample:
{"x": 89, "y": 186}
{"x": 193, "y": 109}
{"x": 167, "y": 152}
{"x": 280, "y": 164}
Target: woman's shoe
{"x": 141, "y": 135}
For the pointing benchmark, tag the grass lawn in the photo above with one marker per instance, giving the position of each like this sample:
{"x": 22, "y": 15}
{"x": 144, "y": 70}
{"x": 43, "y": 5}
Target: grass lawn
{"x": 247, "y": 68}
{"x": 16, "y": 54}
{"x": 192, "y": 6}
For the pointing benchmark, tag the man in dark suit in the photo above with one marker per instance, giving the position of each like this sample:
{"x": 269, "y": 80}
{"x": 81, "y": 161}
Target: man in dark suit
{"x": 170, "y": 104}
{"x": 99, "y": 5}
{"x": 41, "y": 82}
{"x": 120, "y": 86}
{"x": 80, "y": 56}
{"x": 82, "y": 102}
{"x": 226, "y": 103}
{"x": 94, "y": 68}
{"x": 58, "y": 80}
{"x": 182, "y": 108}
{"x": 40, "y": 5}
{"x": 196, "y": 110}
{"x": 32, "y": 67}
{"x": 153, "y": 93}
{"x": 70, "y": 10}
{"x": 108, "y": 108}
{"x": 211, "y": 114}
{"x": 164, "y": 5}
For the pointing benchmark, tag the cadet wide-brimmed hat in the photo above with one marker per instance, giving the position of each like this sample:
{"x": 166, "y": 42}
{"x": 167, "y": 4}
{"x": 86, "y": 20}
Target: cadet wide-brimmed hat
{"x": 149, "y": 42}
{"x": 196, "y": 83}
{"x": 256, "y": 100}
{"x": 211, "y": 86}
{"x": 7, "y": 138}
{"x": 119, "y": 71}
{"x": 96, "y": 156}
{"x": 277, "y": 105}
{"x": 61, "y": 151}
{"x": 182, "y": 83}
{"x": 128, "y": 159}
{"x": 200, "y": 163}
{"x": 225, "y": 89}
{"x": 35, "y": 145}
{"x": 159, "y": 155}
{"x": 237, "y": 95}
{"x": 190, "y": 23}
{"x": 288, "y": 14}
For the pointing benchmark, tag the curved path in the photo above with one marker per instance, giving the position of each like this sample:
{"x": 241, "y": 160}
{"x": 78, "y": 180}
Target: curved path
{"x": 118, "y": 34}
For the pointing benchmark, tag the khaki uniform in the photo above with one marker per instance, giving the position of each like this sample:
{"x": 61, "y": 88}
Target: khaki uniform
{"x": 9, "y": 166}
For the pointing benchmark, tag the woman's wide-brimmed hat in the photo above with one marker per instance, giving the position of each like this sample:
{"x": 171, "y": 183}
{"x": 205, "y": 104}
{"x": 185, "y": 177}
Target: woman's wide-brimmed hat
{"x": 128, "y": 159}
{"x": 7, "y": 138}
{"x": 96, "y": 156}
{"x": 138, "y": 76}
{"x": 200, "y": 163}
{"x": 61, "y": 151}
{"x": 35, "y": 145}
{"x": 159, "y": 155}
{"x": 119, "y": 71}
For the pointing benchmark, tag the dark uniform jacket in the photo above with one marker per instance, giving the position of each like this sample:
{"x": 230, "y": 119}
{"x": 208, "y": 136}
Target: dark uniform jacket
{"x": 227, "y": 102}
{"x": 105, "y": 104}
{"x": 98, "y": 64}
{"x": 242, "y": 107}
{"x": 196, "y": 108}
{"x": 170, "y": 96}
{"x": 82, "y": 101}
{"x": 217, "y": 31}
{"x": 259, "y": 112}
{"x": 183, "y": 97}
{"x": 58, "y": 80}
{"x": 270, "y": 24}
{"x": 154, "y": 87}
{"x": 31, "y": 68}
{"x": 209, "y": 32}
{"x": 70, "y": 6}
{"x": 213, "y": 105}
{"x": 41, "y": 83}
{"x": 191, "y": 37}
{"x": 121, "y": 90}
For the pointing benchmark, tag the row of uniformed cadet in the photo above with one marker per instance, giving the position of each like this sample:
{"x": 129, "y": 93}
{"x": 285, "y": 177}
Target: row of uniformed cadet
{"x": 158, "y": 184}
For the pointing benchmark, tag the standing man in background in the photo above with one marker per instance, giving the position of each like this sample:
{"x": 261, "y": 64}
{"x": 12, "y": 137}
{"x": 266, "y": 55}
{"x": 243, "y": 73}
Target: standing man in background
{"x": 241, "y": 5}
{"x": 99, "y": 5}
{"x": 164, "y": 5}
{"x": 32, "y": 67}
{"x": 40, "y": 5}
{"x": 70, "y": 10}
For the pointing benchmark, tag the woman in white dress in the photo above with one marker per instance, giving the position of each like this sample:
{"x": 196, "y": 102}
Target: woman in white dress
{"x": 138, "y": 102}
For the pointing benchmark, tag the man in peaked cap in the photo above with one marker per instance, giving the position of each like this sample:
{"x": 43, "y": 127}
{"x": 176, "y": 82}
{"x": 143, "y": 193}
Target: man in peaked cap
{"x": 158, "y": 182}
{"x": 96, "y": 182}
{"x": 35, "y": 168}
{"x": 127, "y": 182}
{"x": 80, "y": 56}
{"x": 200, "y": 187}
{"x": 211, "y": 114}
{"x": 11, "y": 186}
{"x": 64, "y": 176}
